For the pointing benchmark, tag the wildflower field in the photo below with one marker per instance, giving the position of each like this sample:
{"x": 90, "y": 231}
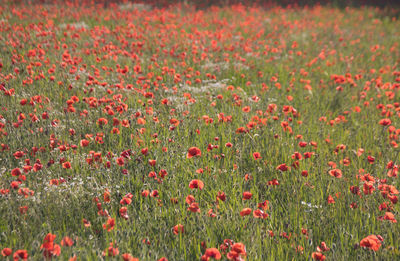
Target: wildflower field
{"x": 138, "y": 132}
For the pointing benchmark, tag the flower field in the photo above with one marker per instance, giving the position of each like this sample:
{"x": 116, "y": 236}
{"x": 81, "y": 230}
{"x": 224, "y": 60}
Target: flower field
{"x": 138, "y": 132}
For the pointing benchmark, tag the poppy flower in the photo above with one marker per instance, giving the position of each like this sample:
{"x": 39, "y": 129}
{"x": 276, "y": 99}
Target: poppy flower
{"x": 128, "y": 257}
{"x": 6, "y": 251}
{"x": 221, "y": 196}
{"x": 385, "y": 122}
{"x": 67, "y": 241}
{"x": 196, "y": 184}
{"x": 84, "y": 143}
{"x": 178, "y": 229}
{"x": 109, "y": 225}
{"x": 66, "y": 165}
{"x": 318, "y": 256}
{"x": 112, "y": 251}
{"x": 194, "y": 207}
{"x": 256, "y": 155}
{"x": 193, "y": 152}
{"x": 20, "y": 254}
{"x": 154, "y": 194}
{"x": 16, "y": 172}
{"x": 373, "y": 242}
{"x": 282, "y": 167}
{"x": 389, "y": 216}
{"x": 247, "y": 195}
{"x": 323, "y": 247}
{"x": 258, "y": 213}
{"x": 190, "y": 199}
{"x": 50, "y": 249}
{"x": 337, "y": 173}
{"x": 152, "y": 162}
{"x": 245, "y": 212}
{"x": 238, "y": 250}
{"x": 330, "y": 200}
{"x": 212, "y": 253}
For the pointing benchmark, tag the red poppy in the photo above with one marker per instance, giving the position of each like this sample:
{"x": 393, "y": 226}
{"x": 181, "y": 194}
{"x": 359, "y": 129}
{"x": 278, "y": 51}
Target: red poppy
{"x": 20, "y": 254}
{"x": 256, "y": 155}
{"x": 282, "y": 167}
{"x": 245, "y": 212}
{"x": 67, "y": 241}
{"x": 152, "y": 162}
{"x": 112, "y": 251}
{"x": 372, "y": 241}
{"x": 66, "y": 165}
{"x": 16, "y": 172}
{"x": 194, "y": 207}
{"x": 193, "y": 152}
{"x": 6, "y": 251}
{"x": 318, "y": 256}
{"x": 84, "y": 143}
{"x": 196, "y": 184}
{"x": 390, "y": 216}
{"x": 238, "y": 250}
{"x": 50, "y": 249}
{"x": 178, "y": 229}
{"x": 221, "y": 196}
{"x": 128, "y": 257}
{"x": 109, "y": 225}
{"x": 258, "y": 213}
{"x": 211, "y": 253}
{"x": 337, "y": 173}
{"x": 247, "y": 195}
{"x": 385, "y": 122}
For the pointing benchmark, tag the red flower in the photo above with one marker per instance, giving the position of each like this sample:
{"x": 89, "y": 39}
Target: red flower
{"x": 50, "y": 249}
{"x": 67, "y": 241}
{"x": 20, "y": 254}
{"x": 247, "y": 195}
{"x": 211, "y": 253}
{"x": 221, "y": 196}
{"x": 84, "y": 143}
{"x": 237, "y": 251}
{"x": 389, "y": 216}
{"x": 120, "y": 161}
{"x": 112, "y": 251}
{"x": 258, "y": 213}
{"x": 372, "y": 241}
{"x": 123, "y": 211}
{"x": 152, "y": 162}
{"x": 66, "y": 165}
{"x": 178, "y": 229}
{"x": 385, "y": 122}
{"x": 193, "y": 152}
{"x": 196, "y": 184}
{"x": 283, "y": 167}
{"x": 318, "y": 256}
{"x": 109, "y": 225}
{"x": 16, "y": 172}
{"x": 245, "y": 212}
{"x": 256, "y": 155}
{"x": 335, "y": 173}
{"x": 128, "y": 257}
{"x": 194, "y": 207}
{"x": 6, "y": 251}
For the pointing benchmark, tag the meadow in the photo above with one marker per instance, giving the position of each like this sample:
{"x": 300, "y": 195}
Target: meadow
{"x": 138, "y": 132}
